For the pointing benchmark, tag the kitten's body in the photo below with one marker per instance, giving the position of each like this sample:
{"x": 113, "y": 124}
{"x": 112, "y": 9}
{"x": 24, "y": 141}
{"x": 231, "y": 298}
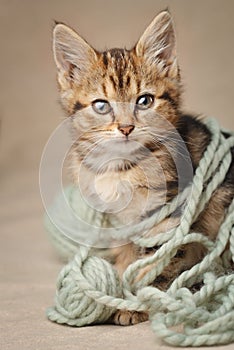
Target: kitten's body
{"x": 133, "y": 158}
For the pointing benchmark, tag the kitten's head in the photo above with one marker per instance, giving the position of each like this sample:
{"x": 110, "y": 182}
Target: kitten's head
{"x": 120, "y": 100}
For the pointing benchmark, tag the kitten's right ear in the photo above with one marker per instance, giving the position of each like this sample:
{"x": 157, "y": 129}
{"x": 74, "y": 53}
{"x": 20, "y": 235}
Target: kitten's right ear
{"x": 72, "y": 54}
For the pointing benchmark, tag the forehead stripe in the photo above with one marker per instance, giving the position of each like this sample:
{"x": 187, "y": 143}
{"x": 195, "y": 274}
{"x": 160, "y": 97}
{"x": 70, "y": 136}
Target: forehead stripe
{"x": 120, "y": 78}
{"x": 104, "y": 89}
{"x": 113, "y": 81}
{"x": 128, "y": 81}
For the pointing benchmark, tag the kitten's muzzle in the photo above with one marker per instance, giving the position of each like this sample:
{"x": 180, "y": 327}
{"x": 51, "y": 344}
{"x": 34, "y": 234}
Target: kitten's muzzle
{"x": 126, "y": 129}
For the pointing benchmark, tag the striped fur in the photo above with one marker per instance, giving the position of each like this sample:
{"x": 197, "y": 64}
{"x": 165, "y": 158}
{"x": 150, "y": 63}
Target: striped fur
{"x": 126, "y": 160}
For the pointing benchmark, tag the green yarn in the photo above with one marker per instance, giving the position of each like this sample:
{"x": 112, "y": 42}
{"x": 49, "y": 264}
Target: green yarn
{"x": 78, "y": 285}
{"x": 88, "y": 289}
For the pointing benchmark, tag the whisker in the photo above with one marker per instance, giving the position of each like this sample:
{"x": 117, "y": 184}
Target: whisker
{"x": 173, "y": 145}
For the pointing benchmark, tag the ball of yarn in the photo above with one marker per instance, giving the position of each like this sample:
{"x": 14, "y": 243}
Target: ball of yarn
{"x": 81, "y": 281}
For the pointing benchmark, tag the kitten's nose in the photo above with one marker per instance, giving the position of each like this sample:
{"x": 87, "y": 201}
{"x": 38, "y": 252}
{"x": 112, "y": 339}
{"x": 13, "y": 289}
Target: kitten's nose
{"x": 126, "y": 129}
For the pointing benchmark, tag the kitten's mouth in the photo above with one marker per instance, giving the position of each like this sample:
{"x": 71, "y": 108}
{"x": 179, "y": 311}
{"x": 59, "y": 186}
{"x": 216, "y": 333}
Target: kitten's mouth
{"x": 123, "y": 139}
{"x": 125, "y": 144}
{"x": 121, "y": 146}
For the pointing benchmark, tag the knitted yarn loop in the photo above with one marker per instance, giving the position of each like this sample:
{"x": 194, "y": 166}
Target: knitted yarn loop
{"x": 89, "y": 291}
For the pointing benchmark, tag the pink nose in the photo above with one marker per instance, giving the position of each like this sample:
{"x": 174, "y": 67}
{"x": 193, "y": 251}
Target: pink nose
{"x": 126, "y": 129}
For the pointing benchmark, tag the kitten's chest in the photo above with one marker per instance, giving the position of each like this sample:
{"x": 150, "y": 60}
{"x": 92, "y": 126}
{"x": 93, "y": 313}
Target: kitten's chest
{"x": 127, "y": 195}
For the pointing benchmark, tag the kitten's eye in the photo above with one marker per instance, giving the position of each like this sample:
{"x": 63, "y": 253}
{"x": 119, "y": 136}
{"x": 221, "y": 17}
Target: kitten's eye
{"x": 145, "y": 101}
{"x": 101, "y": 106}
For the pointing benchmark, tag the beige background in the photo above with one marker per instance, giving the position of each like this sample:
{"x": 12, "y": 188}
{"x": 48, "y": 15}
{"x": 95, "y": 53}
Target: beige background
{"x": 29, "y": 113}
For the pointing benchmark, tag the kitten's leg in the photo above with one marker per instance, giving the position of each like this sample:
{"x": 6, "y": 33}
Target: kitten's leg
{"x": 186, "y": 257}
{"x": 127, "y": 318}
{"x": 124, "y": 256}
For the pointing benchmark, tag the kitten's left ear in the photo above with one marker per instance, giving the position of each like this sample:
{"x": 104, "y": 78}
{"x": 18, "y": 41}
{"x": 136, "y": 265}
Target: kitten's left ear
{"x": 158, "y": 44}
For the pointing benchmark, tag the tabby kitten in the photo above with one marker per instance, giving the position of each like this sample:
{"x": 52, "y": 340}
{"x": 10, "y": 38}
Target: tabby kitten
{"x": 130, "y": 135}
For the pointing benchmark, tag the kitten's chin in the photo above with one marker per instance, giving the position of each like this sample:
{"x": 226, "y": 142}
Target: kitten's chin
{"x": 115, "y": 155}
{"x": 106, "y": 163}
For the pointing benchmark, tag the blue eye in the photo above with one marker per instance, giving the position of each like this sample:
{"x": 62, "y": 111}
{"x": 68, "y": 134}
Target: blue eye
{"x": 144, "y": 101}
{"x": 101, "y": 106}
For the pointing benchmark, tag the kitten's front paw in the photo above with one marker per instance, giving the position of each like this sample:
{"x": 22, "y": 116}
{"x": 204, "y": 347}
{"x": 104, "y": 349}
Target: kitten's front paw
{"x": 127, "y": 318}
